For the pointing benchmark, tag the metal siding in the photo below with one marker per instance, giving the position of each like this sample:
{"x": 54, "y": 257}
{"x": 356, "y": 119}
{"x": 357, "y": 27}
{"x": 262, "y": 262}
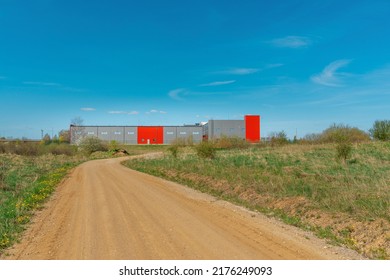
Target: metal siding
{"x": 252, "y": 124}
{"x": 131, "y": 135}
{"x": 228, "y": 128}
{"x": 150, "y": 135}
{"x": 190, "y": 132}
{"x": 170, "y": 134}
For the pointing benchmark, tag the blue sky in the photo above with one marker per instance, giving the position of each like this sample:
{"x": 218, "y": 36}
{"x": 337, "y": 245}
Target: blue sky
{"x": 301, "y": 65}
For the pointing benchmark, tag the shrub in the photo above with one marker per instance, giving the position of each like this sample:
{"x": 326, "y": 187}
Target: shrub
{"x": 344, "y": 150}
{"x": 90, "y": 145}
{"x": 278, "y": 138}
{"x": 226, "y": 142}
{"x": 206, "y": 149}
{"x": 381, "y": 130}
{"x": 174, "y": 150}
{"x": 60, "y": 149}
{"x": 338, "y": 133}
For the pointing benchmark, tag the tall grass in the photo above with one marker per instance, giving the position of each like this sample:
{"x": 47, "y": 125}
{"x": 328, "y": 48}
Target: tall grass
{"x": 25, "y": 183}
{"x": 300, "y": 180}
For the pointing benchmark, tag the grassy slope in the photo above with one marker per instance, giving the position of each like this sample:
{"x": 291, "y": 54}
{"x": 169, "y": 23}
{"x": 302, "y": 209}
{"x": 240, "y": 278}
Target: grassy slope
{"x": 303, "y": 184}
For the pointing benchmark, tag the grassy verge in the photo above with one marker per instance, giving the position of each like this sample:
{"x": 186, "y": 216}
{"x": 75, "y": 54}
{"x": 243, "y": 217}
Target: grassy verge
{"x": 347, "y": 202}
{"x": 25, "y": 184}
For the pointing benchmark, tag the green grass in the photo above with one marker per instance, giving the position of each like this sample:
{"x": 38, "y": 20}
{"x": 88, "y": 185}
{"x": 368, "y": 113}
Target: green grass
{"x": 296, "y": 180}
{"x": 25, "y": 184}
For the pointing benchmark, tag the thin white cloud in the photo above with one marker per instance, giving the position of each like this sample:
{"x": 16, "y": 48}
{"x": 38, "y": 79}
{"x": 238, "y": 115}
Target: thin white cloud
{"x": 156, "y": 112}
{"x": 293, "y": 42}
{"x": 87, "y": 109}
{"x": 239, "y": 71}
{"x": 123, "y": 112}
{"x": 273, "y": 65}
{"x": 329, "y": 76}
{"x": 218, "y": 83}
{"x": 42, "y": 84}
{"x": 177, "y": 93}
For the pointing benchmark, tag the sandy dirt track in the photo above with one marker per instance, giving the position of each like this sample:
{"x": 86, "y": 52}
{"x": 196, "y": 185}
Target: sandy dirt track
{"x": 107, "y": 211}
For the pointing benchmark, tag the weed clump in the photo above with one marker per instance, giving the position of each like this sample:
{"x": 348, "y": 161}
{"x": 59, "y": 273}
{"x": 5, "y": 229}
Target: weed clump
{"x": 89, "y": 145}
{"x": 206, "y": 150}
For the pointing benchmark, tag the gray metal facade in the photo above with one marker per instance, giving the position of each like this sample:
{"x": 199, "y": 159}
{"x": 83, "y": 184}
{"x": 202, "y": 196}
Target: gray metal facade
{"x": 230, "y": 128}
{"x": 129, "y": 134}
{"x": 121, "y": 134}
{"x": 214, "y": 129}
{"x": 184, "y": 133}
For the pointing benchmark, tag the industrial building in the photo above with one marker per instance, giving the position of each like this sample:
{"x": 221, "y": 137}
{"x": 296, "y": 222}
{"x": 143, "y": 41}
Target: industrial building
{"x": 248, "y": 129}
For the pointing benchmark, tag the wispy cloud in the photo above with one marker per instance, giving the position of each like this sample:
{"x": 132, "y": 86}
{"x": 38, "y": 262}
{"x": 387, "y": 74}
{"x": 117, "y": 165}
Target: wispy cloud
{"x": 123, "y": 112}
{"x": 329, "y": 76}
{"x": 293, "y": 42}
{"x": 87, "y": 109}
{"x": 218, "y": 83}
{"x": 239, "y": 71}
{"x": 153, "y": 111}
{"x": 42, "y": 84}
{"x": 177, "y": 93}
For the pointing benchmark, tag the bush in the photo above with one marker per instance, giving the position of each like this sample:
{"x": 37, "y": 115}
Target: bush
{"x": 344, "y": 150}
{"x": 90, "y": 145}
{"x": 278, "y": 138}
{"x": 381, "y": 130}
{"x": 60, "y": 149}
{"x": 206, "y": 149}
{"x": 174, "y": 150}
{"x": 226, "y": 142}
{"x": 340, "y": 133}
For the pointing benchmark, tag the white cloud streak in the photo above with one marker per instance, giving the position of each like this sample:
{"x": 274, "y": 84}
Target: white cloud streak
{"x": 329, "y": 76}
{"x": 87, "y": 109}
{"x": 176, "y": 94}
{"x": 156, "y": 112}
{"x": 240, "y": 71}
{"x": 292, "y": 42}
{"x": 42, "y": 84}
{"x": 123, "y": 112}
{"x": 218, "y": 83}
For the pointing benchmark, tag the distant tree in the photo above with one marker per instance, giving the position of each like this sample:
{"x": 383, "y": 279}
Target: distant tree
{"x": 278, "y": 138}
{"x": 46, "y": 139}
{"x": 64, "y": 136}
{"x": 337, "y": 133}
{"x": 55, "y": 139}
{"x": 77, "y": 130}
{"x": 381, "y": 130}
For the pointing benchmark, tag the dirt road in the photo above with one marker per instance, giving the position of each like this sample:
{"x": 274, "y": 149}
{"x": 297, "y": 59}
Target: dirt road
{"x": 107, "y": 211}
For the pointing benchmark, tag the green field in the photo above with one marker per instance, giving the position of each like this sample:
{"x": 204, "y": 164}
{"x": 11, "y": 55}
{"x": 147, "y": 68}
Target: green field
{"x": 347, "y": 202}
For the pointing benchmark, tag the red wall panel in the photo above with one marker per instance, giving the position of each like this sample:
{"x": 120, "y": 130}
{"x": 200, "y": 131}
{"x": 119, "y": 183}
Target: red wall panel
{"x": 150, "y": 135}
{"x": 252, "y": 128}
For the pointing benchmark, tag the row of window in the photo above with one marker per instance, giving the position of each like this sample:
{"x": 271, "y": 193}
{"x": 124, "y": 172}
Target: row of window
{"x": 132, "y": 132}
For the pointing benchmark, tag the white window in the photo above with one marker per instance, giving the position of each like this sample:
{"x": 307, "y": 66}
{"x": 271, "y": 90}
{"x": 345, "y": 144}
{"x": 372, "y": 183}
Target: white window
{"x": 117, "y": 133}
{"x": 91, "y": 133}
{"x": 183, "y": 132}
{"x": 104, "y": 132}
{"x": 195, "y": 132}
{"x": 130, "y": 132}
{"x": 169, "y": 132}
{"x": 231, "y": 129}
